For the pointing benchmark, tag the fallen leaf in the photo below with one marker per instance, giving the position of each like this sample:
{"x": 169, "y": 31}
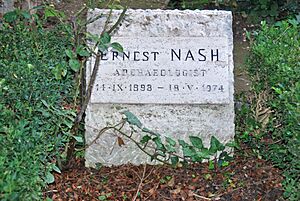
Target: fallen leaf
{"x": 120, "y": 141}
{"x": 176, "y": 191}
{"x": 171, "y": 182}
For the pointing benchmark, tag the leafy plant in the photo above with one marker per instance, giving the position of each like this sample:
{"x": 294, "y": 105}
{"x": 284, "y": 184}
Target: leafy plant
{"x": 35, "y": 121}
{"x": 257, "y": 9}
{"x": 171, "y": 151}
{"x": 275, "y": 69}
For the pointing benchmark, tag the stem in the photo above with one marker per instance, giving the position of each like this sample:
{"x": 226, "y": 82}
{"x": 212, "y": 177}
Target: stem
{"x": 90, "y": 87}
{"x": 139, "y": 146}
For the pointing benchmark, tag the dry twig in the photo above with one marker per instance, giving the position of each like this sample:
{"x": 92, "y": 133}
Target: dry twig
{"x": 141, "y": 183}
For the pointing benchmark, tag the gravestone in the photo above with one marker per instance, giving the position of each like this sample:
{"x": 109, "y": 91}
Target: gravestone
{"x": 175, "y": 75}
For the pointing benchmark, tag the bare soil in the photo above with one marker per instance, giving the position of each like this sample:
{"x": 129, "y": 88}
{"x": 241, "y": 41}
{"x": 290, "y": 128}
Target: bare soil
{"x": 246, "y": 178}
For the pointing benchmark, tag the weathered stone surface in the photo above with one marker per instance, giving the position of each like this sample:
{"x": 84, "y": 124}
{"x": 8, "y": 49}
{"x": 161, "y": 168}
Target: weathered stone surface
{"x": 165, "y": 70}
{"x": 172, "y": 115}
{"x": 6, "y": 5}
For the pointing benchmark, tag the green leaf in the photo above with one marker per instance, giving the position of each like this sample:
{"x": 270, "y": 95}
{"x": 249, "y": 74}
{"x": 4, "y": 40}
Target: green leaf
{"x": 232, "y": 144}
{"x": 45, "y": 103}
{"x": 10, "y": 16}
{"x": 56, "y": 169}
{"x": 170, "y": 141}
{"x": 105, "y": 38}
{"x": 93, "y": 37}
{"x": 145, "y": 139}
{"x": 83, "y": 53}
{"x": 78, "y": 139}
{"x": 196, "y": 142}
{"x": 146, "y": 130}
{"x": 117, "y": 46}
{"x": 211, "y": 165}
{"x": 183, "y": 143}
{"x": 225, "y": 163}
{"x": 103, "y": 48}
{"x": 158, "y": 143}
{"x": 59, "y": 71}
{"x": 170, "y": 149}
{"x": 215, "y": 145}
{"x": 174, "y": 160}
{"x": 74, "y": 64}
{"x": 49, "y": 178}
{"x": 188, "y": 151}
{"x": 26, "y": 14}
{"x": 132, "y": 119}
{"x": 51, "y": 12}
{"x": 70, "y": 54}
{"x": 204, "y": 153}
{"x": 102, "y": 197}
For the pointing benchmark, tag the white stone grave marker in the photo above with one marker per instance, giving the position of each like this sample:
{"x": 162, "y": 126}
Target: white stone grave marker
{"x": 175, "y": 74}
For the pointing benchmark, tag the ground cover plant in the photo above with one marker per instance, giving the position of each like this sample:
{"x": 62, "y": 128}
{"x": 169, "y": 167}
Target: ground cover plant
{"x": 34, "y": 119}
{"x": 274, "y": 65}
{"x": 257, "y": 10}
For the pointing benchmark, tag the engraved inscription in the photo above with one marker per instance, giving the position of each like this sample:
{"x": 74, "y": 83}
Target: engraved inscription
{"x": 164, "y": 70}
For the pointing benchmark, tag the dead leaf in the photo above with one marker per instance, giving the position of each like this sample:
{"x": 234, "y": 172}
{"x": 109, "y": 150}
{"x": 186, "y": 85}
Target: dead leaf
{"x": 120, "y": 141}
{"x": 177, "y": 190}
{"x": 171, "y": 182}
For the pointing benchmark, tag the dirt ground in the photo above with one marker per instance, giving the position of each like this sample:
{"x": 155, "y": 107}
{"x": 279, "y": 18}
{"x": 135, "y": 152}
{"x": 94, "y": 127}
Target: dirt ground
{"x": 246, "y": 179}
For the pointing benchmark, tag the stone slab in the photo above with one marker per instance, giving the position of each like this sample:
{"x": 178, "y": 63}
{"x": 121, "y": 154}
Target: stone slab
{"x": 171, "y": 115}
{"x": 6, "y": 5}
{"x": 165, "y": 70}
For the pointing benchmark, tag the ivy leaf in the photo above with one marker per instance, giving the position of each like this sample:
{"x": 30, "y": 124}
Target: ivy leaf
{"x": 183, "y": 143}
{"x": 49, "y": 178}
{"x": 145, "y": 139}
{"x": 117, "y": 46}
{"x": 132, "y": 119}
{"x": 74, "y": 64}
{"x": 188, "y": 151}
{"x": 196, "y": 142}
{"x": 211, "y": 165}
{"x": 170, "y": 141}
{"x": 204, "y": 153}
{"x": 102, "y": 197}
{"x": 232, "y": 144}
{"x": 159, "y": 144}
{"x": 174, "y": 160}
{"x": 170, "y": 149}
{"x": 215, "y": 145}
{"x": 105, "y": 38}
